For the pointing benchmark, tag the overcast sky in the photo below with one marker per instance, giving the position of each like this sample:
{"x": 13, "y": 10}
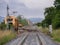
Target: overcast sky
{"x": 27, "y": 8}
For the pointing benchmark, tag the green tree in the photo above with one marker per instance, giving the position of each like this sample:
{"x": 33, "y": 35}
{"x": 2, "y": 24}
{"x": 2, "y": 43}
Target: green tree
{"x": 44, "y": 24}
{"x": 57, "y": 4}
{"x": 49, "y": 15}
{"x": 56, "y": 21}
{"x": 38, "y": 24}
{"x": 52, "y": 15}
{"x": 21, "y": 20}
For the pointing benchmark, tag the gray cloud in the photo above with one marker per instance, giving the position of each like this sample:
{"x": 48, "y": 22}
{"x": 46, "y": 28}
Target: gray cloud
{"x": 28, "y": 8}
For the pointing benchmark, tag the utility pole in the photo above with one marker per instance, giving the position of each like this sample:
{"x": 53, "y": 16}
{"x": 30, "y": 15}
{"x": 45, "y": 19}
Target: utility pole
{"x": 8, "y": 17}
{"x": 7, "y": 10}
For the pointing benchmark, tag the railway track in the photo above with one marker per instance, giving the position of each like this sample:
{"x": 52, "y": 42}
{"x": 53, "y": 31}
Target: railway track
{"x": 31, "y": 36}
{"x": 31, "y": 39}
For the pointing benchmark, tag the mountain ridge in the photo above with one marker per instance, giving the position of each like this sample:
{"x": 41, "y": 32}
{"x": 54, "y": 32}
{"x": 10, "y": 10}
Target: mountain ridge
{"x": 35, "y": 20}
{"x": 1, "y": 19}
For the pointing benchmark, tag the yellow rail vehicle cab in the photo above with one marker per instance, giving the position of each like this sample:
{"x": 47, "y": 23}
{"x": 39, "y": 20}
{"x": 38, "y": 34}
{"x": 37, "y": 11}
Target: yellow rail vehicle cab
{"x": 12, "y": 20}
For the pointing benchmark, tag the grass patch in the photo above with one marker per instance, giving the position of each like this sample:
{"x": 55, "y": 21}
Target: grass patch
{"x": 44, "y": 30}
{"x": 6, "y": 36}
{"x": 56, "y": 35}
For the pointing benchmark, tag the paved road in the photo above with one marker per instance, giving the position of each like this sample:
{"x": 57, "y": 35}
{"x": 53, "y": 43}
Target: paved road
{"x": 32, "y": 38}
